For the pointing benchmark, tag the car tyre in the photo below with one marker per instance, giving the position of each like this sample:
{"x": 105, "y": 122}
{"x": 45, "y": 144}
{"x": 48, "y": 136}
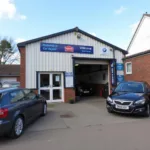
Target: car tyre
{"x": 18, "y": 128}
{"x": 44, "y": 112}
{"x": 147, "y": 114}
{"x": 109, "y": 110}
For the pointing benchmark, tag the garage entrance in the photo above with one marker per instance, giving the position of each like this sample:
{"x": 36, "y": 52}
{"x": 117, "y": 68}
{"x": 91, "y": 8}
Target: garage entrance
{"x": 91, "y": 79}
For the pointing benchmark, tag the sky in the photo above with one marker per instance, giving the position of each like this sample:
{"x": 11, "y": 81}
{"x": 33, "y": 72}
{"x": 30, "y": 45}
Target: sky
{"x": 111, "y": 20}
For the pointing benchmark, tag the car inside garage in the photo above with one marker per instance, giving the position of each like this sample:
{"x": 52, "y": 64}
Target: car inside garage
{"x": 91, "y": 80}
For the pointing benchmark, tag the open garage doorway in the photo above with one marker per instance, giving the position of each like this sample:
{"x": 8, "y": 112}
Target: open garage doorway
{"x": 91, "y": 80}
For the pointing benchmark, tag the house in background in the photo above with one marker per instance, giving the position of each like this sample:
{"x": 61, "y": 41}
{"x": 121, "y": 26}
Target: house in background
{"x": 9, "y": 73}
{"x": 141, "y": 39}
{"x": 137, "y": 67}
{"x": 137, "y": 63}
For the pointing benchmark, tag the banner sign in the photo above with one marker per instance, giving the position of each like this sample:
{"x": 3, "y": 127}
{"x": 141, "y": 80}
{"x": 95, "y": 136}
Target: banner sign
{"x": 113, "y": 72}
{"x": 120, "y": 67}
{"x": 51, "y": 47}
{"x": 69, "y": 79}
{"x": 120, "y": 78}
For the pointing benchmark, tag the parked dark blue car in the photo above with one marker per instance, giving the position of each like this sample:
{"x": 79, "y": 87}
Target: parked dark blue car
{"x": 130, "y": 98}
{"x": 18, "y": 107}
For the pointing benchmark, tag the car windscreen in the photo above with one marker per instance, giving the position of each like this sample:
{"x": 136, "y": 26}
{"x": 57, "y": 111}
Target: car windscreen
{"x": 130, "y": 87}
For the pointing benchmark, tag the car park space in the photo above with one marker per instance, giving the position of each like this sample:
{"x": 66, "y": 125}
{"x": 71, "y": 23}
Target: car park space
{"x": 87, "y": 113}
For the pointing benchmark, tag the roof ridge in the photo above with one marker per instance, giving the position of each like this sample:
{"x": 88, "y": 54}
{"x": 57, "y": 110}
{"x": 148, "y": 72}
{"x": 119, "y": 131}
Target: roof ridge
{"x": 76, "y": 29}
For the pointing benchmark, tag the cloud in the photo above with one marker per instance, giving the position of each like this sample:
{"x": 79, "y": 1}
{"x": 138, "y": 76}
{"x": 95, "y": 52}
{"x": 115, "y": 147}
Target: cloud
{"x": 18, "y": 40}
{"x": 8, "y": 10}
{"x": 120, "y": 10}
{"x": 94, "y": 34}
{"x": 133, "y": 27}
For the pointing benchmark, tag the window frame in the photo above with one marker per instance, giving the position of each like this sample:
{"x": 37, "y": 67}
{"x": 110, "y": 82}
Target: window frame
{"x": 127, "y": 69}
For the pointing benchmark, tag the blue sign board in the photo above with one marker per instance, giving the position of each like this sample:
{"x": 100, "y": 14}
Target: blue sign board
{"x": 51, "y": 47}
{"x": 120, "y": 66}
{"x": 68, "y": 74}
{"x": 120, "y": 78}
{"x": 113, "y": 72}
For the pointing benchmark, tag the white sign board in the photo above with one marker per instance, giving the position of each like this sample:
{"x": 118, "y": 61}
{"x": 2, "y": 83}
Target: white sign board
{"x": 69, "y": 79}
{"x": 104, "y": 51}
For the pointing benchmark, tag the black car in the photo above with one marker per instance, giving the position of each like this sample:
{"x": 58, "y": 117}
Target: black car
{"x": 84, "y": 90}
{"x": 18, "y": 107}
{"x": 130, "y": 98}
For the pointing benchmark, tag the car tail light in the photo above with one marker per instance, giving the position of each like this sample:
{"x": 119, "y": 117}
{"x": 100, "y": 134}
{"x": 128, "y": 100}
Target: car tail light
{"x": 3, "y": 113}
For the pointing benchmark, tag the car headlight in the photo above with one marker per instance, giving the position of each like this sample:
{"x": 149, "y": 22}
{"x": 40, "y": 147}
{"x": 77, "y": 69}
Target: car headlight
{"x": 141, "y": 101}
{"x": 109, "y": 100}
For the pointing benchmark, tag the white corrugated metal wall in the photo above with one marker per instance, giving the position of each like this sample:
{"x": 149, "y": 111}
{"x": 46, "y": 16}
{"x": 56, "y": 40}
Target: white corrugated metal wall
{"x": 54, "y": 61}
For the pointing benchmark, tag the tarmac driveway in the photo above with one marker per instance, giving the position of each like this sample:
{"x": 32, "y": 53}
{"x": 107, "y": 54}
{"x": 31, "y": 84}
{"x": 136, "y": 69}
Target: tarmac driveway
{"x": 87, "y": 113}
{"x": 83, "y": 126}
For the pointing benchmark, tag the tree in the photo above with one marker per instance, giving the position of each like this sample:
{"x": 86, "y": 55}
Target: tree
{"x": 8, "y": 52}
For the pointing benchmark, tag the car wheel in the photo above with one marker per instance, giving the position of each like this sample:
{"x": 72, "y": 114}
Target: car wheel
{"x": 147, "y": 114}
{"x": 44, "y": 109}
{"x": 18, "y": 127}
{"x": 109, "y": 110}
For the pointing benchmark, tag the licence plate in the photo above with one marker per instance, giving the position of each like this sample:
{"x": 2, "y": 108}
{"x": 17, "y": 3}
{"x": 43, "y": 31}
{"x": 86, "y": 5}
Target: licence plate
{"x": 122, "y": 107}
{"x": 86, "y": 92}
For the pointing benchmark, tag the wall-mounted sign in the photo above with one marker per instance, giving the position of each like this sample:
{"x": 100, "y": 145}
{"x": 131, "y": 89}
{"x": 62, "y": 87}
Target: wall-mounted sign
{"x": 51, "y": 47}
{"x": 69, "y": 79}
{"x": 113, "y": 72}
{"x": 120, "y": 78}
{"x": 104, "y": 50}
{"x": 120, "y": 66}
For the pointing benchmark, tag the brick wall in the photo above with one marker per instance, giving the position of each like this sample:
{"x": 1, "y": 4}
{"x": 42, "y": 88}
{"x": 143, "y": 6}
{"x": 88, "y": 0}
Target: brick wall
{"x": 140, "y": 68}
{"x": 69, "y": 93}
{"x": 22, "y": 66}
{"x": 18, "y": 79}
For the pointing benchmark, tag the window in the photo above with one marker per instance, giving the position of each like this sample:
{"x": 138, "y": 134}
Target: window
{"x": 29, "y": 94}
{"x": 26, "y": 91}
{"x": 128, "y": 68}
{"x": 16, "y": 96}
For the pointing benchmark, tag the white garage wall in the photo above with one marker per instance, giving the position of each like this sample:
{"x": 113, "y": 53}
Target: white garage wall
{"x": 54, "y": 61}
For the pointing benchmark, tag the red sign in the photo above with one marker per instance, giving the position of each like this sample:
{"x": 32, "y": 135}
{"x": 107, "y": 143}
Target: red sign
{"x": 69, "y": 49}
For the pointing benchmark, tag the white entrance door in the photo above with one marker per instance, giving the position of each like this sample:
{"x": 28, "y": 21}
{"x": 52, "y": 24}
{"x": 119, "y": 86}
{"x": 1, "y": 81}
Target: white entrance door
{"x": 51, "y": 86}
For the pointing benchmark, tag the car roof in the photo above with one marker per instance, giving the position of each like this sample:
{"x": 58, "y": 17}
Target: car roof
{"x": 2, "y": 90}
{"x": 143, "y": 82}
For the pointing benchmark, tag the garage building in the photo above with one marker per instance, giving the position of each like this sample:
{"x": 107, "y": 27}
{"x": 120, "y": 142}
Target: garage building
{"x": 55, "y": 64}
